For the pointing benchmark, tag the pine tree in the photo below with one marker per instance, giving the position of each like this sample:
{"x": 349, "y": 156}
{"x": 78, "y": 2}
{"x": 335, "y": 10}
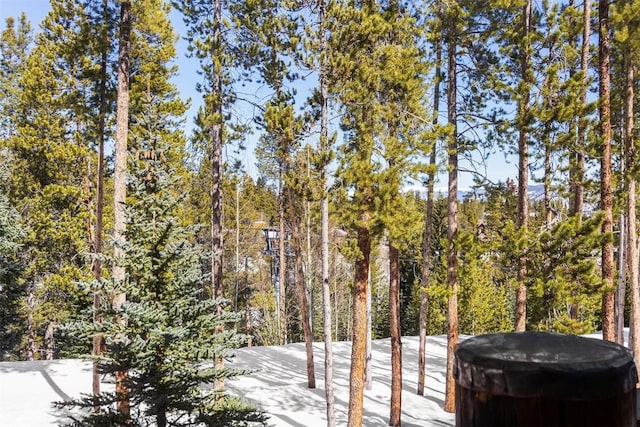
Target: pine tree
{"x": 51, "y": 155}
{"x": 11, "y": 291}
{"x": 157, "y": 334}
{"x": 380, "y": 94}
{"x": 15, "y": 43}
{"x": 606, "y": 178}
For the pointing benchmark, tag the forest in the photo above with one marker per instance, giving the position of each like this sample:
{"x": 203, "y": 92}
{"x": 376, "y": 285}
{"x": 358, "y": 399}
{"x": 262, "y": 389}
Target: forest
{"x": 131, "y": 234}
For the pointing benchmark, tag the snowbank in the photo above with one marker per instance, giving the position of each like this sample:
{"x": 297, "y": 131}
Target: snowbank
{"x": 279, "y": 386}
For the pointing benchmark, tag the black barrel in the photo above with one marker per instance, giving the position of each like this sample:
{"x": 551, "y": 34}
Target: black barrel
{"x": 544, "y": 379}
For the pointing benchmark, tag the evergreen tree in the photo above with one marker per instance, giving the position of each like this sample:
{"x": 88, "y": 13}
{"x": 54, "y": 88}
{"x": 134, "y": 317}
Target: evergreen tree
{"x": 11, "y": 290}
{"x": 164, "y": 334}
{"x": 15, "y": 43}
{"x": 51, "y": 155}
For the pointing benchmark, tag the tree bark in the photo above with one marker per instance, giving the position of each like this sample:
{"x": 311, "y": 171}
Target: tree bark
{"x": 98, "y": 340}
{"x": 300, "y": 285}
{"x": 215, "y": 154}
{"x": 578, "y": 157}
{"x": 120, "y": 176}
{"x": 324, "y": 213}
{"x": 428, "y": 232}
{"x": 396, "y": 340}
{"x": 359, "y": 319}
{"x": 282, "y": 270}
{"x": 49, "y": 342}
{"x": 523, "y": 168}
{"x": 606, "y": 186}
{"x": 32, "y": 347}
{"x": 632, "y": 234}
{"x": 578, "y": 199}
{"x": 452, "y": 220}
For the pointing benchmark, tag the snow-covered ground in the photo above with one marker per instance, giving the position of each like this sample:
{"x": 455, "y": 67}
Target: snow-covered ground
{"x": 278, "y": 387}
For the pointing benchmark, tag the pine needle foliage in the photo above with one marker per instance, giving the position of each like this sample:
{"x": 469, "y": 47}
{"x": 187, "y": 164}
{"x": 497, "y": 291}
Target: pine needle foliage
{"x": 163, "y": 336}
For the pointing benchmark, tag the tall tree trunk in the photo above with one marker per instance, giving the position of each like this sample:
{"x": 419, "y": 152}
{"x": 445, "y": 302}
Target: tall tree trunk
{"x": 577, "y": 167}
{"x": 578, "y": 200}
{"x": 98, "y": 340}
{"x": 215, "y": 154}
{"x": 324, "y": 213}
{"x": 428, "y": 232}
{"x": 606, "y": 186}
{"x": 120, "y": 176}
{"x": 359, "y": 319}
{"x": 452, "y": 220}
{"x": 632, "y": 234}
{"x": 368, "y": 359}
{"x": 524, "y": 108}
{"x": 282, "y": 269}
{"x": 619, "y": 298}
{"x": 395, "y": 332}
{"x": 236, "y": 272}
{"x": 301, "y": 288}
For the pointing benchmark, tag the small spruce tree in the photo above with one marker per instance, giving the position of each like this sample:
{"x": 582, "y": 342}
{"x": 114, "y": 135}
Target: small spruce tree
{"x": 164, "y": 335}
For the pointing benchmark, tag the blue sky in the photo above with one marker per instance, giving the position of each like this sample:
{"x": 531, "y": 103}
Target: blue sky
{"x": 498, "y": 168}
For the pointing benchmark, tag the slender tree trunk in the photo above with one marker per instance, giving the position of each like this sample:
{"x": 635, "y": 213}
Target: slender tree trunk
{"x": 606, "y": 186}
{"x": 368, "y": 377}
{"x": 282, "y": 270}
{"x": 578, "y": 201}
{"x": 120, "y": 176}
{"x": 548, "y": 212}
{"x": 215, "y": 153}
{"x": 396, "y": 341}
{"x": 452, "y": 220}
{"x": 578, "y": 167}
{"x": 324, "y": 213}
{"x": 620, "y": 292}
{"x": 236, "y": 275}
{"x": 98, "y": 340}
{"x": 428, "y": 232}
{"x": 359, "y": 319}
{"x": 300, "y": 285}
{"x": 49, "y": 342}
{"x": 32, "y": 348}
{"x": 523, "y": 168}
{"x": 309, "y": 273}
{"x": 632, "y": 234}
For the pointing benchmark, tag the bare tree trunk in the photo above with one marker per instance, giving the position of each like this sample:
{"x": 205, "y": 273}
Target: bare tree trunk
{"x": 49, "y": 341}
{"x": 282, "y": 270}
{"x": 396, "y": 341}
{"x": 300, "y": 285}
{"x": 32, "y": 348}
{"x": 368, "y": 377}
{"x": 606, "y": 186}
{"x": 452, "y": 220}
{"x": 324, "y": 212}
{"x": 620, "y": 292}
{"x": 632, "y": 234}
{"x": 120, "y": 176}
{"x": 98, "y": 340}
{"x": 359, "y": 319}
{"x": 523, "y": 169}
{"x": 428, "y": 232}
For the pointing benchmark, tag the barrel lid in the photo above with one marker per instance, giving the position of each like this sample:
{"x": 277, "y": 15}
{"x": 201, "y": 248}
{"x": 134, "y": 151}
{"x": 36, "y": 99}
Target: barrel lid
{"x": 542, "y": 364}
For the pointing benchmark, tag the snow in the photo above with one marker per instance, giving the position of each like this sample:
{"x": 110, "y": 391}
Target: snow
{"x": 278, "y": 386}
